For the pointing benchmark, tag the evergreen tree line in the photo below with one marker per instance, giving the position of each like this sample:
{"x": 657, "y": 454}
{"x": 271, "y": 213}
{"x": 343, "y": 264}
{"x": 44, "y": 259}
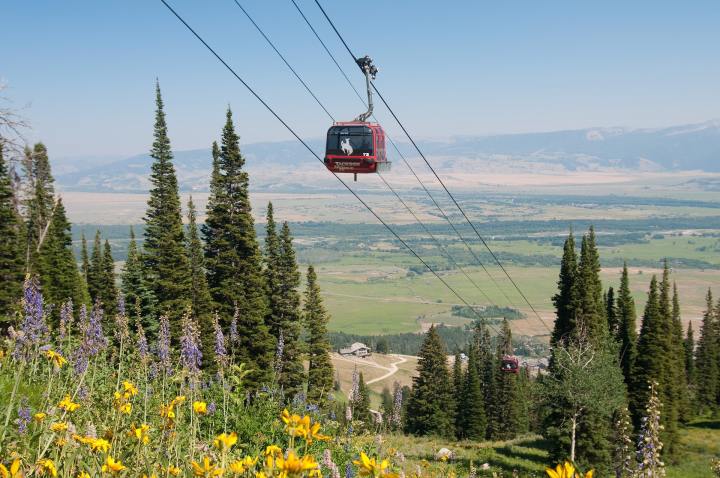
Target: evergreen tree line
{"x": 216, "y": 272}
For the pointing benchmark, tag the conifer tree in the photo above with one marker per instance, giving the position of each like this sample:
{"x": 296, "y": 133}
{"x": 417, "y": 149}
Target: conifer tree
{"x": 95, "y": 270}
{"x": 650, "y": 362}
{"x": 706, "y": 360}
{"x": 108, "y": 291}
{"x": 672, "y": 378}
{"x": 40, "y": 202}
{"x": 138, "y": 295}
{"x": 165, "y": 259}
{"x": 271, "y": 256}
{"x": 677, "y": 355}
{"x": 487, "y": 366}
{"x": 430, "y": 408}
{"x": 507, "y": 406}
{"x": 565, "y": 300}
{"x": 59, "y": 275}
{"x": 590, "y": 308}
{"x": 471, "y": 409}
{"x": 200, "y": 299}
{"x": 233, "y": 260}
{"x": 361, "y": 403}
{"x": 459, "y": 390}
{"x": 611, "y": 312}
{"x": 627, "y": 334}
{"x": 84, "y": 258}
{"x": 12, "y": 258}
{"x": 689, "y": 348}
{"x": 320, "y": 369}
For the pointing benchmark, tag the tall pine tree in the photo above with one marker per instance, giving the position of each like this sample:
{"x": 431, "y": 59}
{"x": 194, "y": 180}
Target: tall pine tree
{"x": 430, "y": 408}
{"x": 164, "y": 256}
{"x": 320, "y": 368}
{"x": 108, "y": 291}
{"x": 471, "y": 409}
{"x": 233, "y": 260}
{"x": 590, "y": 307}
{"x": 12, "y": 259}
{"x": 95, "y": 269}
{"x": 707, "y": 356}
{"x": 40, "y": 203}
{"x": 565, "y": 300}
{"x": 611, "y": 312}
{"x": 507, "y": 407}
{"x": 627, "y": 333}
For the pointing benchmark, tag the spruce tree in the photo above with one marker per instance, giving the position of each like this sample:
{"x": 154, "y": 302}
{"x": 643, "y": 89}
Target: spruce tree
{"x": 677, "y": 351}
{"x": 706, "y": 360}
{"x": 108, "y": 293}
{"x": 200, "y": 300}
{"x": 165, "y": 259}
{"x": 565, "y": 300}
{"x": 471, "y": 408}
{"x": 59, "y": 274}
{"x": 320, "y": 368}
{"x": 689, "y": 348}
{"x": 138, "y": 295}
{"x": 651, "y": 359}
{"x": 487, "y": 366}
{"x": 271, "y": 256}
{"x": 85, "y": 258}
{"x": 672, "y": 379}
{"x": 95, "y": 270}
{"x": 507, "y": 407}
{"x": 590, "y": 307}
{"x": 361, "y": 403}
{"x": 611, "y": 312}
{"x": 12, "y": 258}
{"x": 233, "y": 260}
{"x": 627, "y": 333}
{"x": 459, "y": 390}
{"x": 430, "y": 408}
{"x": 40, "y": 203}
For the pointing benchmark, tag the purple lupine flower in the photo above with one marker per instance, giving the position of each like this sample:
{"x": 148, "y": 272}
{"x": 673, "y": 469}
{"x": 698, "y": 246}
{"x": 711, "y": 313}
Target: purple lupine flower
{"x": 94, "y": 336}
{"x": 234, "y": 336}
{"x": 33, "y": 330}
{"x": 82, "y": 393}
{"x": 355, "y": 388}
{"x": 190, "y": 354}
{"x": 79, "y": 356}
{"x": 396, "y": 417}
{"x": 221, "y": 356}
{"x": 122, "y": 329}
{"x": 279, "y": 354}
{"x": 349, "y": 472}
{"x": 211, "y": 408}
{"x": 23, "y": 417}
{"x": 163, "y": 344}
{"x": 66, "y": 319}
{"x": 142, "y": 344}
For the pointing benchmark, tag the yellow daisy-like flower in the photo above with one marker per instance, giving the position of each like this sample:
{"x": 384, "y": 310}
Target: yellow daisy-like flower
{"x": 295, "y": 425}
{"x": 112, "y": 466}
{"x": 125, "y": 408}
{"x": 260, "y": 474}
{"x": 141, "y": 433}
{"x": 273, "y": 450}
{"x": 180, "y": 399}
{"x": 99, "y": 444}
{"x": 83, "y": 474}
{"x": 293, "y": 465}
{"x": 130, "y": 388}
{"x": 57, "y": 359}
{"x": 38, "y": 417}
{"x": 174, "y": 470}
{"x": 61, "y": 442}
{"x": 14, "y": 470}
{"x": 207, "y": 470}
{"x": 59, "y": 427}
{"x": 200, "y": 408}
{"x": 225, "y": 441}
{"x": 167, "y": 411}
{"x": 566, "y": 470}
{"x": 68, "y": 405}
{"x": 241, "y": 466}
{"x": 313, "y": 433}
{"x": 370, "y": 467}
{"x": 46, "y": 467}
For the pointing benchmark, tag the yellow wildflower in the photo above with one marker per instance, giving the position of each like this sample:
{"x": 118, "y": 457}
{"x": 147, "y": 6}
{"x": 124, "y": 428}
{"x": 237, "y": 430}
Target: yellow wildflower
{"x": 99, "y": 444}
{"x": 566, "y": 470}
{"x": 57, "y": 359}
{"x": 295, "y": 425}
{"x": 207, "y": 469}
{"x": 59, "y": 427}
{"x": 174, "y": 470}
{"x": 225, "y": 441}
{"x": 241, "y": 466}
{"x": 314, "y": 434}
{"x": 200, "y": 408}
{"x": 83, "y": 474}
{"x": 370, "y": 466}
{"x": 60, "y": 441}
{"x": 180, "y": 399}
{"x": 46, "y": 467}
{"x": 260, "y": 474}
{"x": 112, "y": 466}
{"x": 14, "y": 470}
{"x": 293, "y": 465}
{"x": 140, "y": 433}
{"x": 130, "y": 388}
{"x": 167, "y": 411}
{"x": 273, "y": 450}
{"x": 68, "y": 405}
{"x": 125, "y": 408}
{"x": 38, "y": 417}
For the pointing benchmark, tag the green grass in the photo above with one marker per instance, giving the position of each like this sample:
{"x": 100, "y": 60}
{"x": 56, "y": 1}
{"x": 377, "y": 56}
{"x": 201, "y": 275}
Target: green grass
{"x": 700, "y": 442}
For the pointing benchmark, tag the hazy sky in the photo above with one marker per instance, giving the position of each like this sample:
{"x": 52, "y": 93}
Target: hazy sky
{"x": 84, "y": 70}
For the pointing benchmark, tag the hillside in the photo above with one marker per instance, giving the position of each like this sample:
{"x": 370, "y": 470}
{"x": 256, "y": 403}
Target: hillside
{"x": 694, "y": 147}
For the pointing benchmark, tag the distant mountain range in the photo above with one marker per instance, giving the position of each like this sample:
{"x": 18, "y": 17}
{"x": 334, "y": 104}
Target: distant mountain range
{"x": 287, "y": 165}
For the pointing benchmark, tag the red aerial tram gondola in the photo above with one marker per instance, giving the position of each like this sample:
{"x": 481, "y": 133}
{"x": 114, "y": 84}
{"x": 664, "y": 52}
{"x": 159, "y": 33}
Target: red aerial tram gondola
{"x": 357, "y": 146}
{"x": 509, "y": 364}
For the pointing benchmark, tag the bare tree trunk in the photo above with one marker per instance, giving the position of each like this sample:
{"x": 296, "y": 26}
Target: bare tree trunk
{"x": 572, "y": 438}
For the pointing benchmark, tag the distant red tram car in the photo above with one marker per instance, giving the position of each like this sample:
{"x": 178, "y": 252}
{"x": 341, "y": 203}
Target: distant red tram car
{"x": 356, "y": 147}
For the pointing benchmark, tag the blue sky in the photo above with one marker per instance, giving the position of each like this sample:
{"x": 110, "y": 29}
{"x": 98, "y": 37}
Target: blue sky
{"x": 84, "y": 70}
